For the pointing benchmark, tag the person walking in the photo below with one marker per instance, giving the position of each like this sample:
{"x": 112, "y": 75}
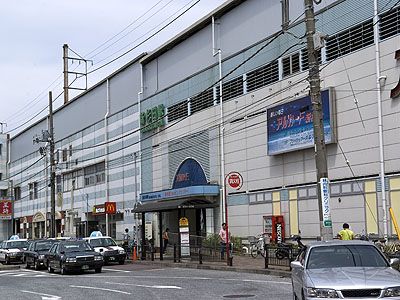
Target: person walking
{"x": 126, "y": 238}
{"x": 165, "y": 239}
{"x": 222, "y": 239}
{"x": 346, "y": 234}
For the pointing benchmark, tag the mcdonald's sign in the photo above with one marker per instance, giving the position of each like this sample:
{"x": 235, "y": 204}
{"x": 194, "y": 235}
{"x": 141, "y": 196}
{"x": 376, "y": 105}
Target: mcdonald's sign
{"x": 111, "y": 208}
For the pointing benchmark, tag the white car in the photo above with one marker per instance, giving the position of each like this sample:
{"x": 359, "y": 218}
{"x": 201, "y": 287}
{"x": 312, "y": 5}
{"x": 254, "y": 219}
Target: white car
{"x": 108, "y": 248}
{"x": 12, "y": 250}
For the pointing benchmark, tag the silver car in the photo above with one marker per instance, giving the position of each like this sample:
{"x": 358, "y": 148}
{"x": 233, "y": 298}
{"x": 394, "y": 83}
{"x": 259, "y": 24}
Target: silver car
{"x": 344, "y": 270}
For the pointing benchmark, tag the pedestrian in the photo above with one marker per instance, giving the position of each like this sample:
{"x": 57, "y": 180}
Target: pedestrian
{"x": 165, "y": 237}
{"x": 346, "y": 234}
{"x": 126, "y": 238}
{"x": 222, "y": 239}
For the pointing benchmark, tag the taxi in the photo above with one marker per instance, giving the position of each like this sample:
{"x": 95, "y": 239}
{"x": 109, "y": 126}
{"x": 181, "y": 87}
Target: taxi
{"x": 106, "y": 246}
{"x": 12, "y": 250}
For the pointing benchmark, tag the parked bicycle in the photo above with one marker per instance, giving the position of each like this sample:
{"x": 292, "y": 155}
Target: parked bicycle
{"x": 257, "y": 245}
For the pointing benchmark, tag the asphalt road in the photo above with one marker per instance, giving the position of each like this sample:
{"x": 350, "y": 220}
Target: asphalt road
{"x": 142, "y": 282}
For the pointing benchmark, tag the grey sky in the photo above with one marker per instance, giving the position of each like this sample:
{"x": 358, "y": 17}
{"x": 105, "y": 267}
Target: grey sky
{"x": 33, "y": 33}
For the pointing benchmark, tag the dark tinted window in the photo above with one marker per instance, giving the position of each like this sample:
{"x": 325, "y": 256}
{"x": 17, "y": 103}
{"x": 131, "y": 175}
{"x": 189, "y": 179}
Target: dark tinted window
{"x": 75, "y": 247}
{"x": 102, "y": 242}
{"x": 342, "y": 256}
{"x": 17, "y": 244}
{"x": 45, "y": 245}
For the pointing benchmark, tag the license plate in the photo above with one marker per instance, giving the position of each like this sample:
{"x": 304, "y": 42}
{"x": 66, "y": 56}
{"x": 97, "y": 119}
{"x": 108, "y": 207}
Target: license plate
{"x": 112, "y": 258}
{"x": 85, "y": 267}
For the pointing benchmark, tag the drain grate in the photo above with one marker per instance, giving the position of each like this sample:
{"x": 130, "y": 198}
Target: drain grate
{"x": 238, "y": 296}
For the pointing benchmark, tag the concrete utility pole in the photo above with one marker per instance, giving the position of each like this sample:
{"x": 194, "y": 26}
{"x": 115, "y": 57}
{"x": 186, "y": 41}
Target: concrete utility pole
{"x": 52, "y": 170}
{"x": 66, "y": 84}
{"x": 319, "y": 141}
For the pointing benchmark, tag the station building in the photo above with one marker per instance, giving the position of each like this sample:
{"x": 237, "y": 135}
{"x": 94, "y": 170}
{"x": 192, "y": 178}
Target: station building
{"x": 228, "y": 94}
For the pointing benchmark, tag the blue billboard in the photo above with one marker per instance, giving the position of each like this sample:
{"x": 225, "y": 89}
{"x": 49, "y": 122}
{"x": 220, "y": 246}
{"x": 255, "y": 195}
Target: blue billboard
{"x": 290, "y": 125}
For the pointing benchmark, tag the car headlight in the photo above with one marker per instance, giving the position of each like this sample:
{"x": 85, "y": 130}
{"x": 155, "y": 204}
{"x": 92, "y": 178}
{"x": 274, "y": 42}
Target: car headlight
{"x": 121, "y": 251}
{"x": 321, "y": 293}
{"x": 99, "y": 257}
{"x": 392, "y": 292}
{"x": 71, "y": 259}
{"x": 41, "y": 256}
{"x": 12, "y": 254}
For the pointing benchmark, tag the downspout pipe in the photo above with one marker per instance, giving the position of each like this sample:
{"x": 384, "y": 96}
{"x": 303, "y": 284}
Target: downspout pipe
{"x": 106, "y": 150}
{"x": 380, "y": 121}
{"x": 218, "y": 52}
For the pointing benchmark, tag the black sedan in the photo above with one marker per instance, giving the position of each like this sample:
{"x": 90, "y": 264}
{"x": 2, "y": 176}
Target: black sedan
{"x": 68, "y": 256}
{"x": 35, "y": 255}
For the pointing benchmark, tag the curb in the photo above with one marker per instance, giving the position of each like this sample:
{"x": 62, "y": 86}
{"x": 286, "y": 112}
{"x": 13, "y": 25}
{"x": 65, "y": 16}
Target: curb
{"x": 274, "y": 272}
{"x": 9, "y": 267}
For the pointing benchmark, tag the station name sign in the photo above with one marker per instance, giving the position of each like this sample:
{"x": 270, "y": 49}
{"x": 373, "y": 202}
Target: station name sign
{"x": 152, "y": 118}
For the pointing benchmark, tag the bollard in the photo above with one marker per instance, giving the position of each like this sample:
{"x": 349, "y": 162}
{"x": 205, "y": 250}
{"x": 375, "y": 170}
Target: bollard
{"x": 174, "y": 253}
{"x": 200, "y": 257}
{"x": 152, "y": 255}
{"x": 230, "y": 262}
{"x": 266, "y": 256}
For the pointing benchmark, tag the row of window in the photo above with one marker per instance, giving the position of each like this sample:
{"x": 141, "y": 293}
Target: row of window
{"x": 88, "y": 176}
{"x": 345, "y": 42}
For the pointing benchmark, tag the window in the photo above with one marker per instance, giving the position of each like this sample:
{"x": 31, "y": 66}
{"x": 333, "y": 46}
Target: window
{"x": 70, "y": 150}
{"x": 33, "y": 190}
{"x": 71, "y": 180}
{"x": 3, "y": 193}
{"x": 58, "y": 184}
{"x": 64, "y": 155}
{"x": 17, "y": 193}
{"x": 291, "y": 64}
{"x": 94, "y": 174}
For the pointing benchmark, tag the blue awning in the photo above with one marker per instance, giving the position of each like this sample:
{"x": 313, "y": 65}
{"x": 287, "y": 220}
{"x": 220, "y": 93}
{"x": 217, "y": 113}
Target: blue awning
{"x": 186, "y": 192}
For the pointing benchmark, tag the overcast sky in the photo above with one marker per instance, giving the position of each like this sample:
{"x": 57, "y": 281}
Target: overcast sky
{"x": 33, "y": 33}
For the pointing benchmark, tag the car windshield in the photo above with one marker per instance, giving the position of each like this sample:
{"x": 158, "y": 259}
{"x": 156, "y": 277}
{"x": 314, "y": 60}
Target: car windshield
{"x": 45, "y": 245}
{"x": 75, "y": 247}
{"x": 342, "y": 256}
{"x": 102, "y": 242}
{"x": 16, "y": 244}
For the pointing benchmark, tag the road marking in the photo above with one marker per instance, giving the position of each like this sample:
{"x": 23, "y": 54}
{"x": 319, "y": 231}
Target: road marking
{"x": 44, "y": 296}
{"x": 116, "y": 270}
{"x": 148, "y": 286}
{"x": 262, "y": 281}
{"x": 152, "y": 270}
{"x": 19, "y": 275}
{"x": 98, "y": 288}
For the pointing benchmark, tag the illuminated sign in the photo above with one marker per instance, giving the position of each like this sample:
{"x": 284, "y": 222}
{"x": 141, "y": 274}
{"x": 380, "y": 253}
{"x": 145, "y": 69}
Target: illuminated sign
{"x": 110, "y": 208}
{"x": 152, "y": 118}
{"x": 290, "y": 125}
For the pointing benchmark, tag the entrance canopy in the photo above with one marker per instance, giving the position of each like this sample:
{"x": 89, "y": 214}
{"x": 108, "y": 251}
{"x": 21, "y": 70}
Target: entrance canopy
{"x": 164, "y": 205}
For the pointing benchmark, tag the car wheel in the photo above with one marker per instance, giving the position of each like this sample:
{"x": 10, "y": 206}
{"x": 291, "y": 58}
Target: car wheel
{"x": 121, "y": 262}
{"x": 98, "y": 270}
{"x": 49, "y": 268}
{"x": 36, "y": 265}
{"x": 63, "y": 271}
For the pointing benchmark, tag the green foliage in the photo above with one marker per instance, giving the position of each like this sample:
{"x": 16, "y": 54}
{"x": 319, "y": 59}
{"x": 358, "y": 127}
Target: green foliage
{"x": 212, "y": 241}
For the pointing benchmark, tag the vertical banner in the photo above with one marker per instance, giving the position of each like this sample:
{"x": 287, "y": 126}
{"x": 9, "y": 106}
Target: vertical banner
{"x": 325, "y": 195}
{"x": 184, "y": 233}
{"x": 5, "y": 209}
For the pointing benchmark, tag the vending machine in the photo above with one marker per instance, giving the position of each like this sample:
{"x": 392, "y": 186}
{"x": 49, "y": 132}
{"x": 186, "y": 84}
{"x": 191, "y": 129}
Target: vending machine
{"x": 274, "y": 226}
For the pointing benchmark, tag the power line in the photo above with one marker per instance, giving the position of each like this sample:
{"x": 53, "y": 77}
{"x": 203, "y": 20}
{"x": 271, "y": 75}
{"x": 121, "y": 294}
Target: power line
{"x": 145, "y": 40}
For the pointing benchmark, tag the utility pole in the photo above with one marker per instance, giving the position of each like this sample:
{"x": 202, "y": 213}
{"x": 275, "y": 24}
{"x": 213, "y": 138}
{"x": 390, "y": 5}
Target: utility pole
{"x": 66, "y": 84}
{"x": 52, "y": 170}
{"x": 319, "y": 141}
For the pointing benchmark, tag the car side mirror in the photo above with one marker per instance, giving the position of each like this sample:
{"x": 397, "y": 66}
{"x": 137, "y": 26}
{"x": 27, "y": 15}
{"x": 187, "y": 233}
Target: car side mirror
{"x": 296, "y": 265}
{"x": 394, "y": 263}
{"x": 62, "y": 252}
{"x": 101, "y": 250}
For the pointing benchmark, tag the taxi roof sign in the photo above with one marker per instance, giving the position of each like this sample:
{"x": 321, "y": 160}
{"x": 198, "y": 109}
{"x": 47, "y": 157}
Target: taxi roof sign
{"x": 14, "y": 237}
{"x": 96, "y": 234}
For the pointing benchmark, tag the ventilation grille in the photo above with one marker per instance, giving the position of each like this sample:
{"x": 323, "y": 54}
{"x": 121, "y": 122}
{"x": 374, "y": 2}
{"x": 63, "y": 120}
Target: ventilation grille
{"x": 202, "y": 101}
{"x": 177, "y": 111}
{"x": 291, "y": 64}
{"x": 263, "y": 76}
{"x": 196, "y": 146}
{"x": 350, "y": 40}
{"x": 390, "y": 23}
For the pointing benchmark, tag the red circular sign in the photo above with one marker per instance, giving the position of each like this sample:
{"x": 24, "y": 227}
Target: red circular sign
{"x": 235, "y": 180}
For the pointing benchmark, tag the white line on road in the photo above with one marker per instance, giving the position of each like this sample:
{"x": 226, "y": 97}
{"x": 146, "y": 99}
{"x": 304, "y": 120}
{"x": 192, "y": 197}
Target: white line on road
{"x": 116, "y": 270}
{"x": 44, "y": 296}
{"x": 19, "y": 275}
{"x": 98, "y": 288}
{"x": 148, "y": 286}
{"x": 152, "y": 270}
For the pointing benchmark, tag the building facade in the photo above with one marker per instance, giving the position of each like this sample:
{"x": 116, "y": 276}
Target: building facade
{"x": 158, "y": 140}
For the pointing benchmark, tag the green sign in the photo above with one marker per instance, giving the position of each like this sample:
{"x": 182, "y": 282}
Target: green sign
{"x": 152, "y": 118}
{"x": 328, "y": 223}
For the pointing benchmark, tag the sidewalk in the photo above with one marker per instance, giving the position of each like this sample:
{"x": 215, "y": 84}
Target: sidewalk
{"x": 245, "y": 264}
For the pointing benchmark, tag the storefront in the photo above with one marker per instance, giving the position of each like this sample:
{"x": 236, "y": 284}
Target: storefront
{"x": 39, "y": 225}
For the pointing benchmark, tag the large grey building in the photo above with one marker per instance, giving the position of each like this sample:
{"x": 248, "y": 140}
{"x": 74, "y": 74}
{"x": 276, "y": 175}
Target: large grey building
{"x": 174, "y": 162}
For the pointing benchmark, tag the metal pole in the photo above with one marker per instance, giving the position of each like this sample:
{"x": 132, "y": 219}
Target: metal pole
{"x": 380, "y": 121}
{"x": 87, "y": 215}
{"x": 136, "y": 215}
{"x": 65, "y": 61}
{"x": 47, "y": 195}
{"x": 315, "y": 93}
{"x": 227, "y": 246}
{"x": 52, "y": 171}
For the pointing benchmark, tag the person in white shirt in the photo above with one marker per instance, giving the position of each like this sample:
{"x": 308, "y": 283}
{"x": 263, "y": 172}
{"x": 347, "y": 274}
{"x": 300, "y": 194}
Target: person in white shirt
{"x": 222, "y": 239}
